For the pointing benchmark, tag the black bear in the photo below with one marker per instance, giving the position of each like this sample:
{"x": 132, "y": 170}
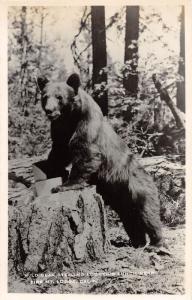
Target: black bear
{"x": 59, "y": 157}
{"x": 100, "y": 157}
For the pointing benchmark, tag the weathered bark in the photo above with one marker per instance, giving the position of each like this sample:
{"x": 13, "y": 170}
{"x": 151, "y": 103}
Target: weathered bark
{"x": 164, "y": 95}
{"x": 21, "y": 179}
{"x": 56, "y": 231}
{"x": 169, "y": 177}
{"x": 99, "y": 54}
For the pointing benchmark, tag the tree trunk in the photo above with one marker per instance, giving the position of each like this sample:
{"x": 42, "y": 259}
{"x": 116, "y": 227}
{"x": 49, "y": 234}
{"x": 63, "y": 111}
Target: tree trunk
{"x": 41, "y": 40}
{"x": 42, "y": 17}
{"x": 56, "y": 231}
{"x": 99, "y": 55}
{"x": 181, "y": 84}
{"x": 24, "y": 46}
{"x": 131, "y": 49}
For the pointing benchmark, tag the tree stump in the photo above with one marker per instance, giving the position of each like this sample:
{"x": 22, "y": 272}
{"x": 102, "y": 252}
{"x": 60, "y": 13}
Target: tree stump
{"x": 56, "y": 231}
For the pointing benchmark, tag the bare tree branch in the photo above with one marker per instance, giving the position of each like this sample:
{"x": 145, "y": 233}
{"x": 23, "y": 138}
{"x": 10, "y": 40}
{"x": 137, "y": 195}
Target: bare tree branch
{"x": 83, "y": 26}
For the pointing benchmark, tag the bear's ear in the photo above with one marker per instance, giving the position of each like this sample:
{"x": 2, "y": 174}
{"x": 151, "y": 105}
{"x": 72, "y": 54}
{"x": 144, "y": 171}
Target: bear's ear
{"x": 74, "y": 82}
{"x": 42, "y": 82}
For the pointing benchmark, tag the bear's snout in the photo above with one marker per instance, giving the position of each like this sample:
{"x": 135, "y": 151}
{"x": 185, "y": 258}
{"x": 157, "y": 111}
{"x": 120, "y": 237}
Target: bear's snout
{"x": 53, "y": 115}
{"x": 52, "y": 109}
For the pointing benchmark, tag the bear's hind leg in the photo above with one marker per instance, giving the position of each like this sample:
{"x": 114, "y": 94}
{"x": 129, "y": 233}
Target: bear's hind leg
{"x": 135, "y": 229}
{"x": 151, "y": 219}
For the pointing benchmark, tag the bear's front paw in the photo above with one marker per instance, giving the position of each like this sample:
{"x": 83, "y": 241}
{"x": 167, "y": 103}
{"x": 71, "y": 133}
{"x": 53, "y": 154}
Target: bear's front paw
{"x": 56, "y": 189}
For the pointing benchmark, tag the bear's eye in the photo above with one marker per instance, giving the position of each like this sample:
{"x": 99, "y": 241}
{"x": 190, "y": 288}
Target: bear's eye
{"x": 59, "y": 97}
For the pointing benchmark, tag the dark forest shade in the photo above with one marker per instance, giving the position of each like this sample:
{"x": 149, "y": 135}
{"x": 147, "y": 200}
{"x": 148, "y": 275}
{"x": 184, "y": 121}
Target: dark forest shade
{"x": 181, "y": 84}
{"x": 130, "y": 82}
{"x": 99, "y": 53}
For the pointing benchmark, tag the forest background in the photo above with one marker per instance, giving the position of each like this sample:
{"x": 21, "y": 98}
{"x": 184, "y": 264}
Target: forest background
{"x": 116, "y": 50}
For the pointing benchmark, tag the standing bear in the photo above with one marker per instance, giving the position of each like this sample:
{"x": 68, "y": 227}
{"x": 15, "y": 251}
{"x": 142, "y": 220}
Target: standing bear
{"x": 99, "y": 156}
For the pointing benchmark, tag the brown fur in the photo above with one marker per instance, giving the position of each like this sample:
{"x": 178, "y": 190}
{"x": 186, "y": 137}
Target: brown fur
{"x": 100, "y": 157}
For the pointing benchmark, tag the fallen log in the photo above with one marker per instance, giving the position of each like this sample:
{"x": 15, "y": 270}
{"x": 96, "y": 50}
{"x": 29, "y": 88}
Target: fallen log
{"x": 168, "y": 173}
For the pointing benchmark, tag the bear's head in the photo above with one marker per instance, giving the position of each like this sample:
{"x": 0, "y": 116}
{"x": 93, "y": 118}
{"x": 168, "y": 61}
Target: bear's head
{"x": 59, "y": 97}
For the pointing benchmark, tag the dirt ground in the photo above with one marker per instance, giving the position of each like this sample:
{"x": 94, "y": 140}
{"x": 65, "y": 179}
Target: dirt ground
{"x": 124, "y": 270}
